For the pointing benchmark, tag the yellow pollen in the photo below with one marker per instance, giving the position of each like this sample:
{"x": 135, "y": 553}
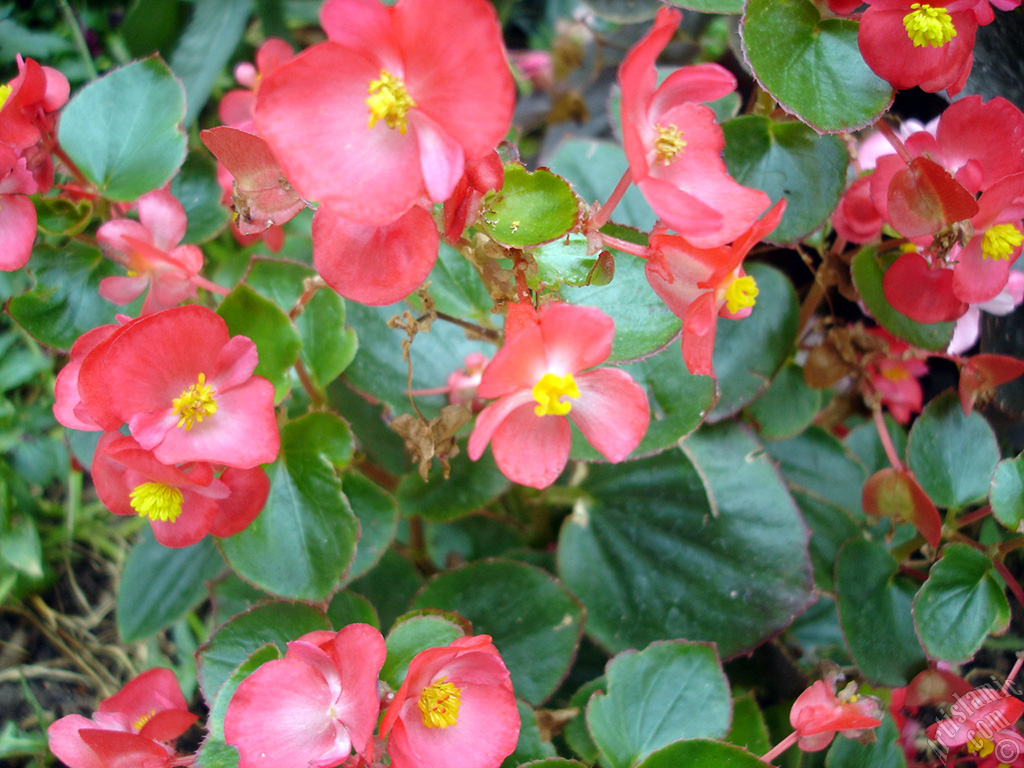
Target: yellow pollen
{"x": 896, "y": 373}
{"x": 548, "y": 391}
{"x": 389, "y": 101}
{"x": 980, "y": 746}
{"x": 195, "y": 404}
{"x": 1000, "y": 241}
{"x": 157, "y": 502}
{"x": 740, "y": 294}
{"x": 439, "y": 704}
{"x": 927, "y": 26}
{"x": 5, "y": 93}
{"x": 141, "y": 720}
{"x": 669, "y": 143}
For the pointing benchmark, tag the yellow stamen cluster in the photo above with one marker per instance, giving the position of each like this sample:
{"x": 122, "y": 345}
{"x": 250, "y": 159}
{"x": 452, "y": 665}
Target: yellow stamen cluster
{"x": 669, "y": 143}
{"x": 156, "y": 501}
{"x": 439, "y": 704}
{"x": 389, "y": 101}
{"x": 195, "y": 404}
{"x": 141, "y": 720}
{"x": 1001, "y": 241}
{"x": 980, "y": 746}
{"x": 549, "y": 391}
{"x": 895, "y": 373}
{"x": 928, "y": 26}
{"x": 740, "y": 294}
{"x": 5, "y": 93}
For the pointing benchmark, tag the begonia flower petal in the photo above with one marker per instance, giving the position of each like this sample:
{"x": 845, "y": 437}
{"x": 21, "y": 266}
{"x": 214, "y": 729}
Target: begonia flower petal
{"x": 529, "y": 449}
{"x": 163, "y": 217}
{"x": 17, "y": 231}
{"x": 612, "y": 412}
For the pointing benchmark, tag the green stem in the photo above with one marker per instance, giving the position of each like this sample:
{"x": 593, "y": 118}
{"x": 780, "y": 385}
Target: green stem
{"x": 80, "y": 44}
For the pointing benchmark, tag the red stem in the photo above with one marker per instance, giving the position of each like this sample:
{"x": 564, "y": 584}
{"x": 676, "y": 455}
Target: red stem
{"x": 70, "y": 165}
{"x": 605, "y": 211}
{"x": 1011, "y": 582}
{"x": 781, "y": 747}
{"x": 973, "y": 517}
{"x": 883, "y": 435}
{"x": 1013, "y": 673}
{"x": 896, "y": 141}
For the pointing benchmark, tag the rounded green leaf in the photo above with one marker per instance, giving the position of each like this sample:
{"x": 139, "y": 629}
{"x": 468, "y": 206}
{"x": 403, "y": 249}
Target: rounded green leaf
{"x": 247, "y": 313}
{"x": 868, "y": 269}
{"x": 884, "y": 752}
{"x": 577, "y": 735}
{"x": 57, "y": 216}
{"x": 703, "y": 753}
{"x": 124, "y": 132}
{"x": 952, "y": 455}
{"x": 470, "y": 486}
{"x": 377, "y": 513}
{"x": 530, "y": 208}
{"x": 748, "y": 729}
{"x": 788, "y": 160}
{"x": 389, "y": 586}
{"x": 276, "y": 623}
{"x": 669, "y": 547}
{"x": 874, "y": 613}
{"x": 197, "y": 189}
{"x": 413, "y": 633}
{"x": 1006, "y": 493}
{"x": 346, "y": 607}
{"x": 684, "y": 695}
{"x": 787, "y": 407}
{"x": 159, "y": 584}
{"x": 532, "y": 744}
{"x": 303, "y": 541}
{"x": 960, "y": 605}
{"x": 328, "y": 346}
{"x": 750, "y": 351}
{"x": 535, "y": 622}
{"x": 710, "y": 6}
{"x": 812, "y": 66}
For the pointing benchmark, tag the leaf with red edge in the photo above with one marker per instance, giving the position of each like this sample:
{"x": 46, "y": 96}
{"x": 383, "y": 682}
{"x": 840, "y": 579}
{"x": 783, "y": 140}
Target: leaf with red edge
{"x": 895, "y": 493}
{"x": 920, "y": 292}
{"x": 923, "y": 198}
{"x": 982, "y": 373}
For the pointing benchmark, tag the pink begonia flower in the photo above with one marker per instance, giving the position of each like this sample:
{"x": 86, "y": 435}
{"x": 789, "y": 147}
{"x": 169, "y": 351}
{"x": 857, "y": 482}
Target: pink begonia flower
{"x": 455, "y": 707}
{"x": 17, "y": 213}
{"x": 892, "y": 376}
{"x": 674, "y": 145}
{"x": 463, "y": 207}
{"x": 390, "y": 108}
{"x": 818, "y": 714}
{"x": 184, "y": 386}
{"x": 968, "y": 325}
{"x": 183, "y": 504}
{"x": 134, "y": 727}
{"x": 314, "y": 707}
{"x": 259, "y": 194}
{"x": 29, "y": 103}
{"x": 975, "y": 718}
{"x": 541, "y": 379}
{"x": 699, "y": 285}
{"x": 237, "y": 106}
{"x": 856, "y": 219}
{"x": 149, "y": 250}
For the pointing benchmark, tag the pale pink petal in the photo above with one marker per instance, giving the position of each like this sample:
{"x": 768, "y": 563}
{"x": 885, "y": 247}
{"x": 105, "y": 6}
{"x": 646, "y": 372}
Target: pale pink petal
{"x": 154, "y": 690}
{"x": 164, "y": 217}
{"x": 123, "y": 290}
{"x": 360, "y": 652}
{"x": 311, "y": 654}
{"x": 67, "y": 745}
{"x": 374, "y": 264}
{"x": 441, "y": 159}
{"x": 365, "y": 26}
{"x": 575, "y": 337}
{"x": 697, "y": 83}
{"x": 530, "y": 449}
{"x": 491, "y": 417}
{"x": 520, "y": 364}
{"x": 235, "y": 363}
{"x": 612, "y": 412}
{"x": 17, "y": 231}
{"x": 115, "y": 237}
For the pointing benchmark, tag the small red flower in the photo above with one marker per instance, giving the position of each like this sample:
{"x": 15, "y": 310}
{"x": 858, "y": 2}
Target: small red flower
{"x": 818, "y": 714}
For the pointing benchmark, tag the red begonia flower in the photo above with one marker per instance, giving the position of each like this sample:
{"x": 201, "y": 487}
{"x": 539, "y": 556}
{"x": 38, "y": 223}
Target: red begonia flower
{"x": 185, "y": 387}
{"x": 541, "y": 363}
{"x": 17, "y": 213}
{"x": 314, "y": 707}
{"x": 674, "y": 145}
{"x": 389, "y": 109}
{"x": 982, "y": 373}
{"x": 134, "y": 727}
{"x": 699, "y": 285}
{"x": 977, "y": 715}
{"x": 892, "y": 376}
{"x": 922, "y": 289}
{"x": 183, "y": 504}
{"x": 818, "y": 714}
{"x": 856, "y": 219}
{"x": 236, "y": 107}
{"x": 455, "y": 707}
{"x": 463, "y": 207}
{"x": 29, "y": 103}
{"x": 149, "y": 250}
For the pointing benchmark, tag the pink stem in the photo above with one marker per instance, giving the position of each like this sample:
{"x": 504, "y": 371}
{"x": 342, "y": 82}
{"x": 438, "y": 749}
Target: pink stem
{"x": 883, "y": 435}
{"x": 601, "y": 217}
{"x": 623, "y": 245}
{"x": 781, "y": 747}
{"x": 1011, "y": 582}
{"x": 1013, "y": 673}
{"x": 896, "y": 141}
{"x": 202, "y": 282}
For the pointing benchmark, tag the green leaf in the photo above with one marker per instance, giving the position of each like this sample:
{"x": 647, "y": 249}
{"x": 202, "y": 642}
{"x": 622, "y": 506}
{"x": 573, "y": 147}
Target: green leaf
{"x": 952, "y": 455}
{"x": 303, "y": 542}
{"x": 531, "y": 745}
{"x": 787, "y": 407}
{"x": 594, "y": 168}
{"x": 347, "y": 607}
{"x": 21, "y": 547}
{"x": 960, "y": 605}
{"x": 748, "y": 729}
{"x": 249, "y": 314}
{"x": 279, "y": 280}
{"x": 577, "y": 735}
{"x": 884, "y": 752}
{"x": 159, "y": 585}
{"x": 198, "y": 191}
{"x": 57, "y": 216}
{"x": 206, "y": 46}
{"x": 123, "y": 131}
{"x": 327, "y": 345}
{"x": 699, "y": 752}
{"x": 151, "y": 26}
{"x": 530, "y": 208}
{"x": 870, "y": 596}
{"x": 413, "y": 633}
{"x": 389, "y": 586}
{"x": 65, "y": 302}
{"x": 817, "y": 464}
{"x": 868, "y": 269}
{"x": 665, "y": 547}
{"x": 749, "y": 352}
{"x": 457, "y": 289}
{"x": 788, "y": 160}
{"x": 1006, "y": 493}
{"x": 710, "y": 6}
{"x": 471, "y": 486}
{"x": 277, "y": 623}
{"x": 812, "y": 66}
{"x": 535, "y": 622}
{"x": 377, "y": 513}
{"x": 684, "y": 694}
{"x": 564, "y": 261}
{"x": 864, "y": 443}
